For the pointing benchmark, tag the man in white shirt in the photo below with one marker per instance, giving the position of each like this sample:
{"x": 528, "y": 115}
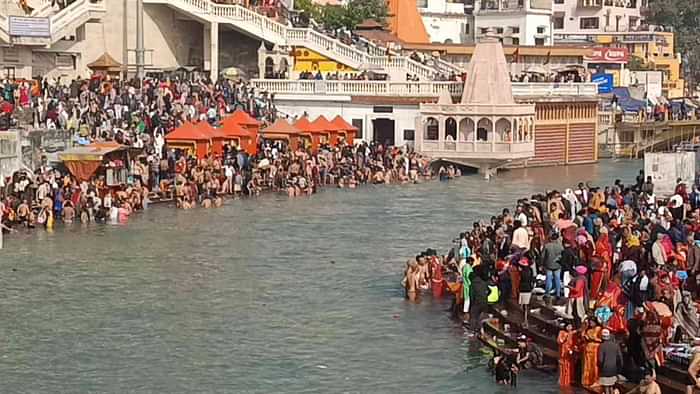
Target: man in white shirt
{"x": 521, "y": 238}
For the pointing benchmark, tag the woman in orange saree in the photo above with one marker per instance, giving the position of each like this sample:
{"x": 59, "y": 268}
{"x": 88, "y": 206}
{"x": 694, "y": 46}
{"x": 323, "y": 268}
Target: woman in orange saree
{"x": 592, "y": 338}
{"x": 567, "y": 348}
{"x": 612, "y": 298}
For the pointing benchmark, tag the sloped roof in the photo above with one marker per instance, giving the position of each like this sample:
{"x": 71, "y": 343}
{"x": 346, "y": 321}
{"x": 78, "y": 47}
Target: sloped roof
{"x": 232, "y": 129}
{"x": 322, "y": 124}
{"x": 188, "y": 132}
{"x": 406, "y": 23}
{"x": 91, "y": 152}
{"x": 303, "y": 124}
{"x": 341, "y": 124}
{"x": 488, "y": 81}
{"x": 243, "y": 118}
{"x": 105, "y": 61}
{"x": 281, "y": 126}
{"x": 206, "y": 129}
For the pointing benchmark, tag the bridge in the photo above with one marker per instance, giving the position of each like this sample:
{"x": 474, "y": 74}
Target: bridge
{"x": 634, "y": 138}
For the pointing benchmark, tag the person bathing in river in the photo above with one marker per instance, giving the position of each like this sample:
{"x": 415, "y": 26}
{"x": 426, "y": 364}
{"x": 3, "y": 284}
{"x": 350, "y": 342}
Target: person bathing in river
{"x": 412, "y": 282}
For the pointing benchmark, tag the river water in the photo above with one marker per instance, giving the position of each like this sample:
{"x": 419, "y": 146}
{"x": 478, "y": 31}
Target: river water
{"x": 264, "y": 295}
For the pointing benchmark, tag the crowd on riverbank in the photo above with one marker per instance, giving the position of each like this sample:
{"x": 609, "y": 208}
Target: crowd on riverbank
{"x": 53, "y": 194}
{"x": 621, "y": 267}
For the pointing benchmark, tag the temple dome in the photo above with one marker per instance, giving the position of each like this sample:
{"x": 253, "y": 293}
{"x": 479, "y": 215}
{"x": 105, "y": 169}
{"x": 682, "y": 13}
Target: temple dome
{"x": 488, "y": 79}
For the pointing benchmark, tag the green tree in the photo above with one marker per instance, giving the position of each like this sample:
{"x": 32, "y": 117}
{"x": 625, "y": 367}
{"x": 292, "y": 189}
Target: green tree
{"x": 684, "y": 17}
{"x": 361, "y": 10}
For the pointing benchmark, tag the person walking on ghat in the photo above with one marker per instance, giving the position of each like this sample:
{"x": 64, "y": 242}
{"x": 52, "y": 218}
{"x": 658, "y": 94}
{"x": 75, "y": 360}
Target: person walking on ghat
{"x": 609, "y": 362}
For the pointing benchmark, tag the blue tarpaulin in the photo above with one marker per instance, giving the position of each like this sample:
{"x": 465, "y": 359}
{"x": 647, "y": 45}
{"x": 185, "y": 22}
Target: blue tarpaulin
{"x": 626, "y": 102}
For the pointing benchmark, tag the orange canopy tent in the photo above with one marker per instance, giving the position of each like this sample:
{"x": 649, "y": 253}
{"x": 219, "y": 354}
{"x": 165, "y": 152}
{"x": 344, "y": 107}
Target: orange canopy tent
{"x": 189, "y": 138}
{"x": 216, "y": 137}
{"x": 344, "y": 128}
{"x": 304, "y": 126}
{"x": 84, "y": 161}
{"x": 243, "y": 120}
{"x": 320, "y": 132}
{"x": 282, "y": 130}
{"x": 246, "y": 139}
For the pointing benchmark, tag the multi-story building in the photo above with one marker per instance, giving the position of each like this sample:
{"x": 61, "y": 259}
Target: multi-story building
{"x": 596, "y": 16}
{"x": 514, "y": 22}
{"x": 447, "y": 21}
{"x": 649, "y": 47}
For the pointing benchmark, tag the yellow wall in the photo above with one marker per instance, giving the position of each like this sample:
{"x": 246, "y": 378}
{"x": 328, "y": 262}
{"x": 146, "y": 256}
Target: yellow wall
{"x": 308, "y": 60}
{"x": 661, "y": 57}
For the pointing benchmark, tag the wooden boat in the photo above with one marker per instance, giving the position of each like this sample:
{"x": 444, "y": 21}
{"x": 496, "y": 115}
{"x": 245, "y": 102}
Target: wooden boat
{"x": 543, "y": 329}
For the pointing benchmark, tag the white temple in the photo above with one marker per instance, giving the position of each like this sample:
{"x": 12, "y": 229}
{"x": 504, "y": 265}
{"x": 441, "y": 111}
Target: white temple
{"x": 487, "y": 129}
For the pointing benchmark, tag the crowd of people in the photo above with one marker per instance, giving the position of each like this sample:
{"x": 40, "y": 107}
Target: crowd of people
{"x": 620, "y": 266}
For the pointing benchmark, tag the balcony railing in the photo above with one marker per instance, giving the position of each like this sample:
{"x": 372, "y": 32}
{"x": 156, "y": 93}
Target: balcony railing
{"x": 416, "y": 89}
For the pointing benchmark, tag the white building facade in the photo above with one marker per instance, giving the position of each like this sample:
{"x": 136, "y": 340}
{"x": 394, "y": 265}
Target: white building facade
{"x": 514, "y": 22}
{"x": 447, "y": 22}
{"x": 597, "y": 16}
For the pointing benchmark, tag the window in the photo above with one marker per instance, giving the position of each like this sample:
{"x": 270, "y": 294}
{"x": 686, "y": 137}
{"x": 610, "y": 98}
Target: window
{"x": 65, "y": 61}
{"x": 484, "y": 30}
{"x": 466, "y": 29}
{"x": 11, "y": 55}
{"x": 558, "y": 22}
{"x": 558, "y": 1}
{"x": 360, "y": 130}
{"x": 8, "y": 148}
{"x": 9, "y": 72}
{"x": 80, "y": 33}
{"x": 539, "y": 41}
{"x": 409, "y": 135}
{"x": 383, "y": 109}
{"x": 589, "y": 23}
{"x": 515, "y": 41}
{"x": 422, "y": 3}
{"x": 499, "y": 30}
{"x": 515, "y": 29}
{"x": 540, "y": 29}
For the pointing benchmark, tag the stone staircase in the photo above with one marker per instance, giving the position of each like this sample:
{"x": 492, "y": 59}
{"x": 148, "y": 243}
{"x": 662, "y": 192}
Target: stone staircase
{"x": 62, "y": 22}
{"x": 269, "y": 30}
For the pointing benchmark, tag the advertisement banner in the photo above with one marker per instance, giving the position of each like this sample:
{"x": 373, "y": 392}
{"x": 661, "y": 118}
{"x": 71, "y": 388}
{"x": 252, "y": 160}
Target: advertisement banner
{"x": 21, "y": 26}
{"x": 608, "y": 55}
{"x": 604, "y": 81}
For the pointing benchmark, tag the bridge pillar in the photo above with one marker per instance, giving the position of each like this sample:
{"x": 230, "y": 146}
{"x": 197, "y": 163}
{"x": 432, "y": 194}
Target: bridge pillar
{"x": 211, "y": 50}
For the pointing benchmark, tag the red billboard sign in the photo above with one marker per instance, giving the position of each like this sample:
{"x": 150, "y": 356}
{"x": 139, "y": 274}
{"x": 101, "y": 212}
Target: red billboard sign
{"x": 608, "y": 55}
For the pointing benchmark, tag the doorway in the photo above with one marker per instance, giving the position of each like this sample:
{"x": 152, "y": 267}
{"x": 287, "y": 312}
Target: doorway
{"x": 383, "y": 131}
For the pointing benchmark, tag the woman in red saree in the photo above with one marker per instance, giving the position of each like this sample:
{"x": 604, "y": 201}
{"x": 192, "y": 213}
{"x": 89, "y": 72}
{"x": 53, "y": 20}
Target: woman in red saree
{"x": 592, "y": 338}
{"x": 567, "y": 349}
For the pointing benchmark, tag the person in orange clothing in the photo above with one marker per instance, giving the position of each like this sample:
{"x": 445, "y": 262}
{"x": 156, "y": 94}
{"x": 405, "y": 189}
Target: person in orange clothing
{"x": 592, "y": 338}
{"x": 567, "y": 349}
{"x": 604, "y": 250}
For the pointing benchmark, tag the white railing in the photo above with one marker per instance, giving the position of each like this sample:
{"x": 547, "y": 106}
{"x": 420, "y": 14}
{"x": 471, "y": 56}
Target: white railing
{"x": 477, "y": 148}
{"x": 427, "y": 89}
{"x": 79, "y": 11}
{"x": 62, "y": 21}
{"x": 278, "y": 33}
{"x": 363, "y": 88}
{"x": 555, "y": 89}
